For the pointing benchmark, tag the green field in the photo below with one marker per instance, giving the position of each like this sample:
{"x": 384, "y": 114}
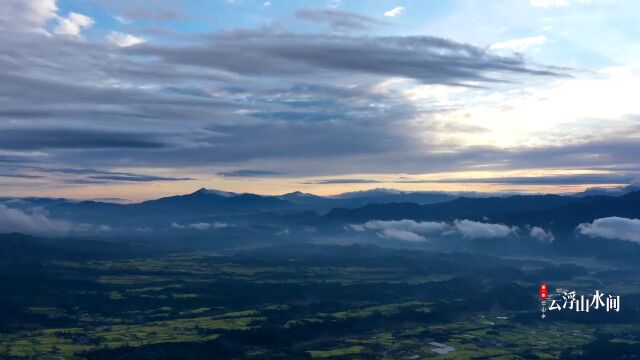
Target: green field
{"x": 385, "y": 308}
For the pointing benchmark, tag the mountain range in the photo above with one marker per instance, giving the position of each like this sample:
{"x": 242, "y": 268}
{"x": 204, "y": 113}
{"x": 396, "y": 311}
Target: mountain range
{"x": 558, "y": 212}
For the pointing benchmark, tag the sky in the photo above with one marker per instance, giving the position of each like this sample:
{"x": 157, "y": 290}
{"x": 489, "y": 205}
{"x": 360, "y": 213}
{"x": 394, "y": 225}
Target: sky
{"x": 138, "y": 99}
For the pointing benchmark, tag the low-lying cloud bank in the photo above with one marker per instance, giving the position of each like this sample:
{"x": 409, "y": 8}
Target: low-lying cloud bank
{"x": 614, "y": 228}
{"x": 410, "y": 230}
{"x": 200, "y": 226}
{"x": 479, "y": 230}
{"x": 34, "y": 222}
{"x": 542, "y": 235}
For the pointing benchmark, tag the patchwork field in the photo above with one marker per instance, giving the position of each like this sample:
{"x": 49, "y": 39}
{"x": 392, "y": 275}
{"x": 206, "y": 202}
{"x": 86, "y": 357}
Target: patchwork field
{"x": 385, "y": 306}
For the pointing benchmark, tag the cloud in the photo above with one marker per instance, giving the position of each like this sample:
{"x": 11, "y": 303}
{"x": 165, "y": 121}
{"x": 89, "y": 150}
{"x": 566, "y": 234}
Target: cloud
{"x": 615, "y": 228}
{"x": 332, "y": 4}
{"x": 426, "y": 227}
{"x": 403, "y": 235}
{"x": 574, "y": 179}
{"x": 338, "y": 20}
{"x": 27, "y": 15}
{"x": 20, "y": 176}
{"x": 398, "y": 10}
{"x": 410, "y": 230}
{"x": 199, "y": 226}
{"x": 151, "y": 11}
{"x": 138, "y": 178}
{"x": 426, "y": 59}
{"x": 121, "y": 19}
{"x": 479, "y": 230}
{"x": 541, "y": 235}
{"x": 123, "y": 39}
{"x": 118, "y": 110}
{"x": 73, "y": 24}
{"x": 341, "y": 181}
{"x": 402, "y": 229}
{"x": 33, "y": 139}
{"x": 521, "y": 44}
{"x": 89, "y": 228}
{"x": 249, "y": 173}
{"x": 556, "y": 3}
{"x": 94, "y": 176}
{"x": 35, "y": 222}
{"x": 190, "y": 104}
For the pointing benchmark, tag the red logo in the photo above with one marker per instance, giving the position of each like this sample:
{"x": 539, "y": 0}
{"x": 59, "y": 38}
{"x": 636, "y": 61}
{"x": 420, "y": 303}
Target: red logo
{"x": 544, "y": 291}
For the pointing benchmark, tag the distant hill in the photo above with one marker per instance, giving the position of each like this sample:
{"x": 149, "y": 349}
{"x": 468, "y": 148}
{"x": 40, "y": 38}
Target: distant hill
{"x": 550, "y": 211}
{"x": 618, "y": 191}
{"x": 462, "y": 208}
{"x": 560, "y": 212}
{"x": 203, "y": 202}
{"x": 581, "y": 210}
{"x": 362, "y": 198}
{"x": 208, "y": 202}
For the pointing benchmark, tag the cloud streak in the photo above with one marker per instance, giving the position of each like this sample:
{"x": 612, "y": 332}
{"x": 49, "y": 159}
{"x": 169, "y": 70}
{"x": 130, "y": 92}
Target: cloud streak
{"x": 57, "y": 138}
{"x": 337, "y": 19}
{"x": 520, "y": 44}
{"x": 479, "y": 230}
{"x": 396, "y": 11}
{"x": 410, "y": 230}
{"x": 247, "y": 173}
{"x": 426, "y": 59}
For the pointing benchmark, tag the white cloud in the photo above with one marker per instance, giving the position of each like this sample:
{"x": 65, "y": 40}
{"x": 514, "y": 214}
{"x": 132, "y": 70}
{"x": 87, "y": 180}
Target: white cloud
{"x": 406, "y": 230}
{"x": 427, "y": 227}
{"x": 26, "y": 15}
{"x": 616, "y": 228}
{"x": 121, "y": 19}
{"x": 89, "y": 228}
{"x": 123, "y": 39}
{"x": 553, "y": 113}
{"x": 399, "y": 10}
{"x": 478, "y": 230}
{"x": 403, "y": 235}
{"x": 334, "y": 4}
{"x": 199, "y": 226}
{"x": 73, "y": 24}
{"x": 410, "y": 230}
{"x": 220, "y": 225}
{"x": 35, "y": 222}
{"x": 175, "y": 225}
{"x": 519, "y": 44}
{"x": 541, "y": 235}
{"x": 104, "y": 228}
{"x": 556, "y": 3}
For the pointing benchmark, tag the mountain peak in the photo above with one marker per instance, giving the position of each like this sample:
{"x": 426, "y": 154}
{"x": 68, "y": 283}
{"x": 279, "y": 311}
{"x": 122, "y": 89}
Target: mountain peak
{"x": 205, "y": 191}
{"x": 298, "y": 194}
